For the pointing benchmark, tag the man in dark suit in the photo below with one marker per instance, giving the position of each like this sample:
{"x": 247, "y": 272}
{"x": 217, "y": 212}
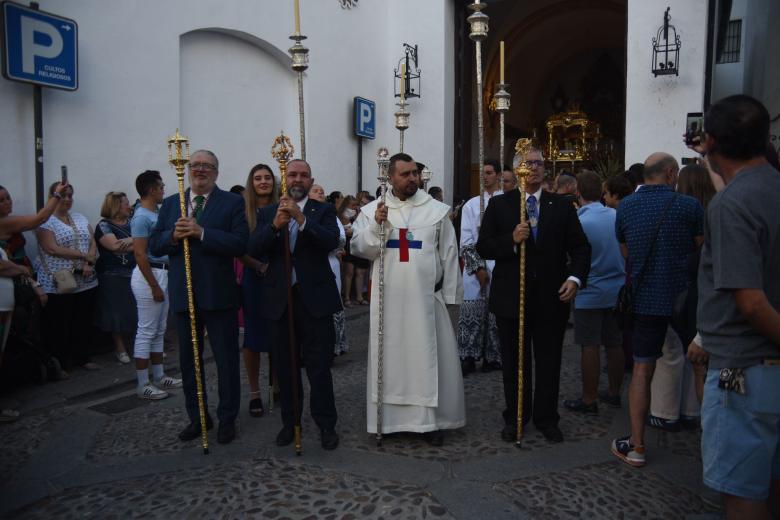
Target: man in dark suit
{"x": 217, "y": 231}
{"x": 313, "y": 234}
{"x": 553, "y": 236}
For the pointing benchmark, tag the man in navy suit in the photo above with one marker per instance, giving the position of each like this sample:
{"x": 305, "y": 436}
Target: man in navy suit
{"x": 557, "y": 265}
{"x": 313, "y": 234}
{"x": 217, "y": 230}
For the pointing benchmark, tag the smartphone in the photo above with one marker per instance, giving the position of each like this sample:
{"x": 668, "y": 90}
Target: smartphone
{"x": 694, "y": 127}
{"x": 689, "y": 160}
{"x": 64, "y": 171}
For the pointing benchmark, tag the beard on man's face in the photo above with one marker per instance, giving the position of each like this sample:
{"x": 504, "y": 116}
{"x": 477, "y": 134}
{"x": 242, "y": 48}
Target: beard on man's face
{"x": 297, "y": 192}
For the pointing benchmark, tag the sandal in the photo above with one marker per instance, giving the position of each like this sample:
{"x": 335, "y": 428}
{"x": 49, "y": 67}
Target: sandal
{"x": 256, "y": 405}
{"x": 362, "y": 302}
{"x": 348, "y": 303}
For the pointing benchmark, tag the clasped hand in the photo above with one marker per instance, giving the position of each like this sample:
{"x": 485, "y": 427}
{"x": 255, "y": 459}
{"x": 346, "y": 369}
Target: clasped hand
{"x": 287, "y": 211}
{"x": 521, "y": 233}
{"x": 187, "y": 227}
{"x": 380, "y": 215}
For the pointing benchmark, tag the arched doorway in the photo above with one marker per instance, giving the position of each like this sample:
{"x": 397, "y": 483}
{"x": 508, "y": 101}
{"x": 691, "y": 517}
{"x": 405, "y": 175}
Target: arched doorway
{"x": 559, "y": 54}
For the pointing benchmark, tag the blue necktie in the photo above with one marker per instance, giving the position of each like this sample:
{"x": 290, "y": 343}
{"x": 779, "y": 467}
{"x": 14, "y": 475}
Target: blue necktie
{"x": 533, "y": 215}
{"x": 293, "y": 230}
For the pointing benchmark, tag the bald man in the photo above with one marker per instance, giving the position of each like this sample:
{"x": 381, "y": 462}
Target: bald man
{"x": 657, "y": 230}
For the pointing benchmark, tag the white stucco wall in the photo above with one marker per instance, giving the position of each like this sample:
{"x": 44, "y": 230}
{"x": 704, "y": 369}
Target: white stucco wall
{"x": 219, "y": 71}
{"x": 656, "y": 108}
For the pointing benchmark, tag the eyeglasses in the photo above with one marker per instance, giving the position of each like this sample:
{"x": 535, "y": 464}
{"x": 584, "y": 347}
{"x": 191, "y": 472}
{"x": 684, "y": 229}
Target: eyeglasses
{"x": 202, "y": 166}
{"x": 533, "y": 164}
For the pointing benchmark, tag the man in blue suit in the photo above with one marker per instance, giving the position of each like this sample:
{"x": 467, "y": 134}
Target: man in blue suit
{"x": 217, "y": 230}
{"x": 313, "y": 234}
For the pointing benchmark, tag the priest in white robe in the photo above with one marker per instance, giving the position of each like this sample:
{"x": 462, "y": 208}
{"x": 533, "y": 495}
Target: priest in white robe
{"x": 422, "y": 382}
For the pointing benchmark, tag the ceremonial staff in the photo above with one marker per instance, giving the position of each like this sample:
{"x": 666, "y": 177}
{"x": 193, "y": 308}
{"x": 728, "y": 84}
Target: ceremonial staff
{"x": 282, "y": 150}
{"x": 300, "y": 62}
{"x": 402, "y": 116}
{"x": 502, "y": 107}
{"x": 478, "y": 29}
{"x": 383, "y": 161}
{"x": 178, "y": 157}
{"x": 522, "y": 147}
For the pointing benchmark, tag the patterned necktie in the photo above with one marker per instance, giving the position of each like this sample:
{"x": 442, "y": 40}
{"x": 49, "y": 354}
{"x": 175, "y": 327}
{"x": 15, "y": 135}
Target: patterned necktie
{"x": 292, "y": 227}
{"x": 533, "y": 215}
{"x": 200, "y": 201}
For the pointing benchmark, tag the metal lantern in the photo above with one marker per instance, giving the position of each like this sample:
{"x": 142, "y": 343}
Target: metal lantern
{"x": 478, "y": 22}
{"x": 502, "y": 99}
{"x": 299, "y": 54}
{"x": 402, "y": 117}
{"x": 406, "y": 82}
{"x": 666, "y": 49}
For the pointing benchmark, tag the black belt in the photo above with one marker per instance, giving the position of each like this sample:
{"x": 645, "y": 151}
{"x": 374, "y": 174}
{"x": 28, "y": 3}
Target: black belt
{"x": 438, "y": 286}
{"x": 158, "y": 265}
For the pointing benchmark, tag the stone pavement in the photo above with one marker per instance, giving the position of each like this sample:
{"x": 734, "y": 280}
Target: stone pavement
{"x": 88, "y": 447}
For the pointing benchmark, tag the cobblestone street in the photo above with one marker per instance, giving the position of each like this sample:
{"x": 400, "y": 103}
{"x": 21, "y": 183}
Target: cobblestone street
{"x": 88, "y": 448}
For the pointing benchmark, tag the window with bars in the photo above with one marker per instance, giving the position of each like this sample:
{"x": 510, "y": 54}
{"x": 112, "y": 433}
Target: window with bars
{"x": 731, "y": 47}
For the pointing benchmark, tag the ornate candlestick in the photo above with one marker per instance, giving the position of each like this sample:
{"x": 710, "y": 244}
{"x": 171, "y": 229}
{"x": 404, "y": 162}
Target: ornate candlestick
{"x": 300, "y": 62}
{"x": 383, "y": 161}
{"x": 522, "y": 147}
{"x": 178, "y": 157}
{"x": 478, "y": 29}
{"x": 282, "y": 150}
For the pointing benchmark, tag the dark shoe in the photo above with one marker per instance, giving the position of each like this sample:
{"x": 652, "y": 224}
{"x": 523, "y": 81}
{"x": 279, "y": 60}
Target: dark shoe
{"x": 434, "y": 438}
{"x": 552, "y": 434}
{"x": 577, "y": 405}
{"x": 226, "y": 432}
{"x": 663, "y": 424}
{"x": 509, "y": 433}
{"x": 192, "y": 431}
{"x": 329, "y": 439}
{"x": 489, "y": 366}
{"x": 611, "y": 400}
{"x": 256, "y": 407}
{"x": 285, "y": 436}
{"x": 468, "y": 366}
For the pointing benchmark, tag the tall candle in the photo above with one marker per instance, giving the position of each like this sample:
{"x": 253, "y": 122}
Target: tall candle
{"x": 297, "y": 17}
{"x": 403, "y": 81}
{"x": 502, "y": 61}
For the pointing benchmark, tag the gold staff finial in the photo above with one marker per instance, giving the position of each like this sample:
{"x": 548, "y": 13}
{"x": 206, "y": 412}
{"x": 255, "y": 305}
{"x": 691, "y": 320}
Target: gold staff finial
{"x": 282, "y": 150}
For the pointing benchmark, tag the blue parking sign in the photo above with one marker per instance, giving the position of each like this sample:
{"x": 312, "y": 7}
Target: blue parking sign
{"x": 365, "y": 118}
{"x": 39, "y": 47}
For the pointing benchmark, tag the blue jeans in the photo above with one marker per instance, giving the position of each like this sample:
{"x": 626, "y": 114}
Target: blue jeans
{"x": 740, "y": 440}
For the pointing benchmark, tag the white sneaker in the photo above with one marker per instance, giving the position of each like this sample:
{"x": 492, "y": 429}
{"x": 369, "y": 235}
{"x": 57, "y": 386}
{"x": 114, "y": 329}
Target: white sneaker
{"x": 168, "y": 382}
{"x": 149, "y": 391}
{"x": 123, "y": 357}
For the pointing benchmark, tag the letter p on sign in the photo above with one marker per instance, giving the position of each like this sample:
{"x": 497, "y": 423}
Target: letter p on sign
{"x": 39, "y": 38}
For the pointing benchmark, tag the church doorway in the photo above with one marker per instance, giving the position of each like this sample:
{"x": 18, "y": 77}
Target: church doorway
{"x": 564, "y": 56}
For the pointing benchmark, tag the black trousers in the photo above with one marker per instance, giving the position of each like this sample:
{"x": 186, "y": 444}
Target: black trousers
{"x": 67, "y": 326}
{"x": 315, "y": 339}
{"x": 222, "y": 327}
{"x": 544, "y": 333}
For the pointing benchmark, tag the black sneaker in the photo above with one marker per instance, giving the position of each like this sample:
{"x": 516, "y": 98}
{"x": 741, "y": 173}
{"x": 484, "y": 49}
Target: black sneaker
{"x": 577, "y": 405}
{"x": 468, "y": 366}
{"x": 611, "y": 400}
{"x": 329, "y": 439}
{"x": 434, "y": 438}
{"x": 663, "y": 424}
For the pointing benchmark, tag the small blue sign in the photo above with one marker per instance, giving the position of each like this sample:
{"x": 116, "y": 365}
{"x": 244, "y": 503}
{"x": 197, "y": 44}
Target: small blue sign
{"x": 39, "y": 47}
{"x": 365, "y": 118}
